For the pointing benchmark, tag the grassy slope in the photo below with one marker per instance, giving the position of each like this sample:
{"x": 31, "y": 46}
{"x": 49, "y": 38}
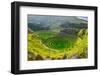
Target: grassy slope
{"x": 81, "y": 45}
{"x": 36, "y": 47}
{"x": 55, "y": 41}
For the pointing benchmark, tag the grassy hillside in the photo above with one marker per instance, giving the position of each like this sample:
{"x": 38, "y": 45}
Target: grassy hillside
{"x": 80, "y": 48}
{"x": 50, "y": 45}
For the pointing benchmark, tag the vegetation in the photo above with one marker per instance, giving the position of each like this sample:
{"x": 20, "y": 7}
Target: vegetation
{"x": 57, "y": 47}
{"x": 57, "y": 37}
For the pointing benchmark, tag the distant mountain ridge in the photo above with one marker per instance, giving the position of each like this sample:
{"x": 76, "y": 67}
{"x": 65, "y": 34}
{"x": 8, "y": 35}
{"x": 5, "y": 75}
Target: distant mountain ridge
{"x": 49, "y": 20}
{"x": 39, "y": 22}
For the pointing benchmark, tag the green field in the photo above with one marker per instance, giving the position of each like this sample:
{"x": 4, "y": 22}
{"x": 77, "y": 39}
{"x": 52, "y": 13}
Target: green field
{"x": 45, "y": 34}
{"x": 45, "y": 45}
